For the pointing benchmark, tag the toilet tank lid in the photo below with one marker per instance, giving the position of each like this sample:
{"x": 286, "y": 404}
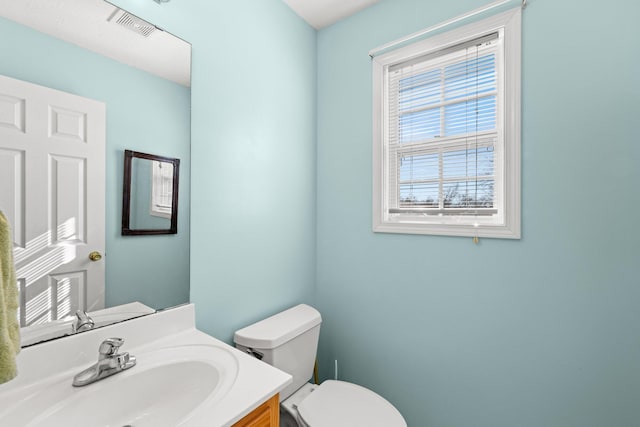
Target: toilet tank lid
{"x": 274, "y": 331}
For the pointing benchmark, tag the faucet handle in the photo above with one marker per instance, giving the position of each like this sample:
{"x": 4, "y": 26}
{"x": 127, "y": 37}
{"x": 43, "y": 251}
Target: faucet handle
{"x": 110, "y": 346}
{"x": 82, "y": 315}
{"x": 83, "y": 322}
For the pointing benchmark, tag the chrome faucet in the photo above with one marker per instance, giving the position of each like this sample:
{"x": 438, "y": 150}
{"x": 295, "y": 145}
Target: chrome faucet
{"x": 83, "y": 322}
{"x": 110, "y": 362}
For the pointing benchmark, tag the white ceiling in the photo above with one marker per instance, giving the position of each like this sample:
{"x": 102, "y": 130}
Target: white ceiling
{"x": 322, "y": 13}
{"x": 91, "y": 24}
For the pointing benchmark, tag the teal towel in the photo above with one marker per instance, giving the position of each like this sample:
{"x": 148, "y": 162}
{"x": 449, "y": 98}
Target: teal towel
{"x": 9, "y": 328}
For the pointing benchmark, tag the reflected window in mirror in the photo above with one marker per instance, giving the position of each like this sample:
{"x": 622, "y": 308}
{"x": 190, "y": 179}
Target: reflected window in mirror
{"x": 150, "y": 194}
{"x": 162, "y": 189}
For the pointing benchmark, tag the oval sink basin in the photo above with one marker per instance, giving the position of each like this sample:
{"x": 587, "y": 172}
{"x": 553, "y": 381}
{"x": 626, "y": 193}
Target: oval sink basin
{"x": 167, "y": 387}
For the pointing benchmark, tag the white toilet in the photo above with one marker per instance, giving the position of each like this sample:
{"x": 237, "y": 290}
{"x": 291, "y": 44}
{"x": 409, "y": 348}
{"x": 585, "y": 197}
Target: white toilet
{"x": 289, "y": 341}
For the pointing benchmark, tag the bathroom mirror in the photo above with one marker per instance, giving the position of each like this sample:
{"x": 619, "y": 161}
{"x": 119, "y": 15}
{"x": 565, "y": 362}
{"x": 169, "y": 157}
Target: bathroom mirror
{"x": 149, "y": 194}
{"x": 142, "y": 74}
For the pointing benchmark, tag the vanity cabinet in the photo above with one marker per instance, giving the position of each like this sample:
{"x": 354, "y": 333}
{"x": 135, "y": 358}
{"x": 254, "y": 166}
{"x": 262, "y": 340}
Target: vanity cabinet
{"x": 265, "y": 415}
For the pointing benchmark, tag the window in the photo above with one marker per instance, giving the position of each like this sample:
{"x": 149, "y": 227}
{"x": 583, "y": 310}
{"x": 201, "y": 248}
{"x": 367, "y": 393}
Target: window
{"x": 447, "y": 133}
{"x": 161, "y": 189}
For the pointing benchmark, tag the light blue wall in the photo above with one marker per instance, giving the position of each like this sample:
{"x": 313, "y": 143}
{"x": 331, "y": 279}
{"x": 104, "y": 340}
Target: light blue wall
{"x": 254, "y": 174}
{"x": 144, "y": 113}
{"x": 544, "y": 331}
{"x": 253, "y": 156}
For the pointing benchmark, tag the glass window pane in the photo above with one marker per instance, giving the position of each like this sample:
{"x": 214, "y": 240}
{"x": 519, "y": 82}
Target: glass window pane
{"x": 476, "y": 115}
{"x": 469, "y": 194}
{"x": 468, "y": 163}
{"x": 419, "y": 167}
{"x": 419, "y": 125}
{"x": 471, "y": 77}
{"x": 419, "y": 91}
{"x": 419, "y": 195}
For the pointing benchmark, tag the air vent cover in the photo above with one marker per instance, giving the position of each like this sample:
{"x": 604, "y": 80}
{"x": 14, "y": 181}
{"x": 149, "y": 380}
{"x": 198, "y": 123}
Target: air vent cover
{"x": 133, "y": 23}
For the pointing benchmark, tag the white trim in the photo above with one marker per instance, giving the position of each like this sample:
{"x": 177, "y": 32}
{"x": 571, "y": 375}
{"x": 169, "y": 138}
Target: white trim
{"x": 512, "y": 125}
{"x": 509, "y": 23}
{"x": 450, "y": 38}
{"x": 377, "y": 50}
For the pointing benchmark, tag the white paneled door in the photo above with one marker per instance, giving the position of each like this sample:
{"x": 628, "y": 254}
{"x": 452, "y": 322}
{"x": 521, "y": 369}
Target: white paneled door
{"x": 52, "y": 190}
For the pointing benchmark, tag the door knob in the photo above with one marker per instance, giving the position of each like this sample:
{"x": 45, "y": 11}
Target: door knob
{"x": 95, "y": 256}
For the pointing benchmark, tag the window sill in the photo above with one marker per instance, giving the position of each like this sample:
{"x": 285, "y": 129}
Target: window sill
{"x": 461, "y": 230}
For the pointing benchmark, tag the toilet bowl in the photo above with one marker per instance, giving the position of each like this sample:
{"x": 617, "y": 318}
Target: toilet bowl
{"x": 339, "y": 404}
{"x": 289, "y": 341}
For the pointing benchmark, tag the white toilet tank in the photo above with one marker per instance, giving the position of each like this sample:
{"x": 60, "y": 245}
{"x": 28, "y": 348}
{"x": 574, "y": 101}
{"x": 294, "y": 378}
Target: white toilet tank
{"x": 287, "y": 340}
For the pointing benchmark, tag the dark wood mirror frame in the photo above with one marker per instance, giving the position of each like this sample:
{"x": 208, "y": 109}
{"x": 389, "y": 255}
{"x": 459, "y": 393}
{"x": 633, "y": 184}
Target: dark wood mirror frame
{"x": 126, "y": 195}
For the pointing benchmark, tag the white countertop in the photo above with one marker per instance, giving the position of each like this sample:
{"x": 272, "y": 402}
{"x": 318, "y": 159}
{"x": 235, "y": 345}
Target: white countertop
{"x": 52, "y": 361}
{"x": 34, "y": 334}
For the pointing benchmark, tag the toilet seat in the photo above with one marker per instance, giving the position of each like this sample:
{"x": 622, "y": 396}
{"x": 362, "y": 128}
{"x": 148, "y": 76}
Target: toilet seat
{"x": 343, "y": 404}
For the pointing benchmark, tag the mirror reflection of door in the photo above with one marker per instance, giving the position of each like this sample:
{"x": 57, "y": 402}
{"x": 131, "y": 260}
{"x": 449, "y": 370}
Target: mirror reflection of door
{"x": 52, "y": 180}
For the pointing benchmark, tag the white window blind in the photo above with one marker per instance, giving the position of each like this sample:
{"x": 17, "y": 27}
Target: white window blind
{"x": 443, "y": 131}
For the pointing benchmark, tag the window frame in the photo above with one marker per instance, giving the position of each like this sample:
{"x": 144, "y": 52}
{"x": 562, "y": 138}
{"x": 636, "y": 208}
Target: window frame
{"x": 507, "y": 223}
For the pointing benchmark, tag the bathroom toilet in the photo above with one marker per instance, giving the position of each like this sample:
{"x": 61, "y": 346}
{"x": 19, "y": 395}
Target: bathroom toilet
{"x": 289, "y": 341}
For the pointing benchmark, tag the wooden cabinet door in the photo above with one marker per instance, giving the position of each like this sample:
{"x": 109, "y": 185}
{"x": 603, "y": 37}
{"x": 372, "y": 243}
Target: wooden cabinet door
{"x": 265, "y": 415}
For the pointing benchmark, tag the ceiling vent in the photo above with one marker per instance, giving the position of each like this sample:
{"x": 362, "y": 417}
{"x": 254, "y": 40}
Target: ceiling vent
{"x": 132, "y": 22}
